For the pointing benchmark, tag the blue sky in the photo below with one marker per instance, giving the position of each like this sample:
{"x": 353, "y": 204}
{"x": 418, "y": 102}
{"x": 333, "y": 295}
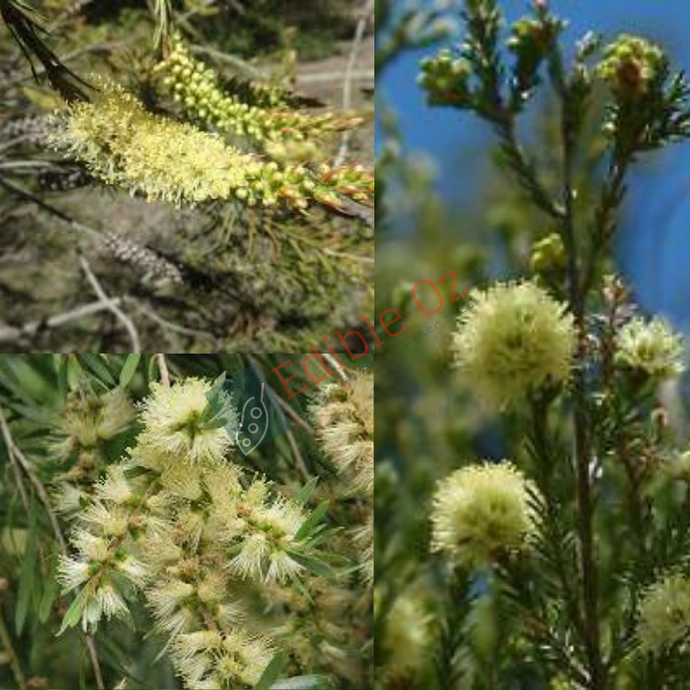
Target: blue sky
{"x": 655, "y": 246}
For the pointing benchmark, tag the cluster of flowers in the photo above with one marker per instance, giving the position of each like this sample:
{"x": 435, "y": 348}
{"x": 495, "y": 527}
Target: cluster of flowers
{"x": 345, "y": 428}
{"x": 515, "y": 341}
{"x": 198, "y": 91}
{"x": 81, "y": 431}
{"x": 124, "y": 145}
{"x": 175, "y": 520}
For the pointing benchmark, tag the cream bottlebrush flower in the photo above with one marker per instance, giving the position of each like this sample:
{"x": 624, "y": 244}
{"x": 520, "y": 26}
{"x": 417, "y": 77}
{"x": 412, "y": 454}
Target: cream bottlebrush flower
{"x": 664, "y": 618}
{"x": 345, "y": 427}
{"x": 650, "y": 347}
{"x": 124, "y": 145}
{"x": 105, "y": 601}
{"x": 91, "y": 547}
{"x": 111, "y": 602}
{"x": 115, "y": 487}
{"x": 262, "y": 530}
{"x": 88, "y": 418}
{"x": 482, "y": 511}
{"x": 68, "y": 498}
{"x": 168, "y": 597}
{"x": 73, "y": 573}
{"x": 134, "y": 570}
{"x": 407, "y": 635}
{"x": 176, "y": 426}
{"x": 109, "y": 521}
{"x": 209, "y": 659}
{"x": 513, "y": 340}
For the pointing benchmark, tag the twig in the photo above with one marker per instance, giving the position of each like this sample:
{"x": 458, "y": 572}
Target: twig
{"x": 156, "y": 318}
{"x": 12, "y": 333}
{"x": 163, "y": 368}
{"x": 299, "y": 460}
{"x": 233, "y": 60}
{"x": 334, "y": 363}
{"x": 367, "y": 13}
{"x": 19, "y": 457}
{"x": 330, "y": 77}
{"x": 48, "y": 208}
{"x": 124, "y": 319}
{"x": 294, "y": 416}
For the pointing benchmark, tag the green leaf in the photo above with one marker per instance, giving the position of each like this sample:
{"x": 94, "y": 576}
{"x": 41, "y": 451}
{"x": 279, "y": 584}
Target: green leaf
{"x": 94, "y": 363}
{"x": 312, "y": 521}
{"x": 306, "y": 492}
{"x": 272, "y": 671}
{"x": 312, "y": 682}
{"x": 26, "y": 581}
{"x": 50, "y": 594}
{"x": 313, "y": 565}
{"x": 75, "y": 610}
{"x": 134, "y": 472}
{"x": 129, "y": 369}
{"x": 73, "y": 372}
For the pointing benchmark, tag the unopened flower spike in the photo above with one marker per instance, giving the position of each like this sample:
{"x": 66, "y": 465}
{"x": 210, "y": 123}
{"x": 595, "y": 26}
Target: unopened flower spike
{"x": 198, "y": 91}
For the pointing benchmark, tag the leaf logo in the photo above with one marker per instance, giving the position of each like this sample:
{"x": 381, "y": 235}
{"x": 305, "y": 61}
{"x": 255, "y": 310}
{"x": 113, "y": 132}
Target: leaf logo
{"x": 247, "y": 438}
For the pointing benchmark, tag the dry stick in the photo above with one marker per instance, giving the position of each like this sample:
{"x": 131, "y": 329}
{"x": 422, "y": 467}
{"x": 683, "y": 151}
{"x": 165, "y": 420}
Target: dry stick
{"x": 17, "y": 458}
{"x": 299, "y": 460}
{"x": 12, "y": 333}
{"x": 124, "y": 319}
{"x": 294, "y": 416}
{"x": 164, "y": 323}
{"x": 334, "y": 363}
{"x": 367, "y": 13}
{"x": 330, "y": 77}
{"x": 163, "y": 368}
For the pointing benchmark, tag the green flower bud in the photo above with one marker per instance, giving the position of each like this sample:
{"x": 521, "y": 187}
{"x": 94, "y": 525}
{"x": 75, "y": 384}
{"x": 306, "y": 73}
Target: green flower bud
{"x": 630, "y": 66}
{"x": 445, "y": 80}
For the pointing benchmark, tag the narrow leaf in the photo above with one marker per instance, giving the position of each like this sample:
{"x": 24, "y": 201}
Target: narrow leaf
{"x": 272, "y": 671}
{"x": 306, "y": 492}
{"x": 94, "y": 363}
{"x": 129, "y": 369}
{"x": 312, "y": 521}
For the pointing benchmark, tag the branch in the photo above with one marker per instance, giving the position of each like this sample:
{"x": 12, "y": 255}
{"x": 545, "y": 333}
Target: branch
{"x": 112, "y": 306}
{"x": 13, "y": 333}
{"x": 349, "y": 70}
